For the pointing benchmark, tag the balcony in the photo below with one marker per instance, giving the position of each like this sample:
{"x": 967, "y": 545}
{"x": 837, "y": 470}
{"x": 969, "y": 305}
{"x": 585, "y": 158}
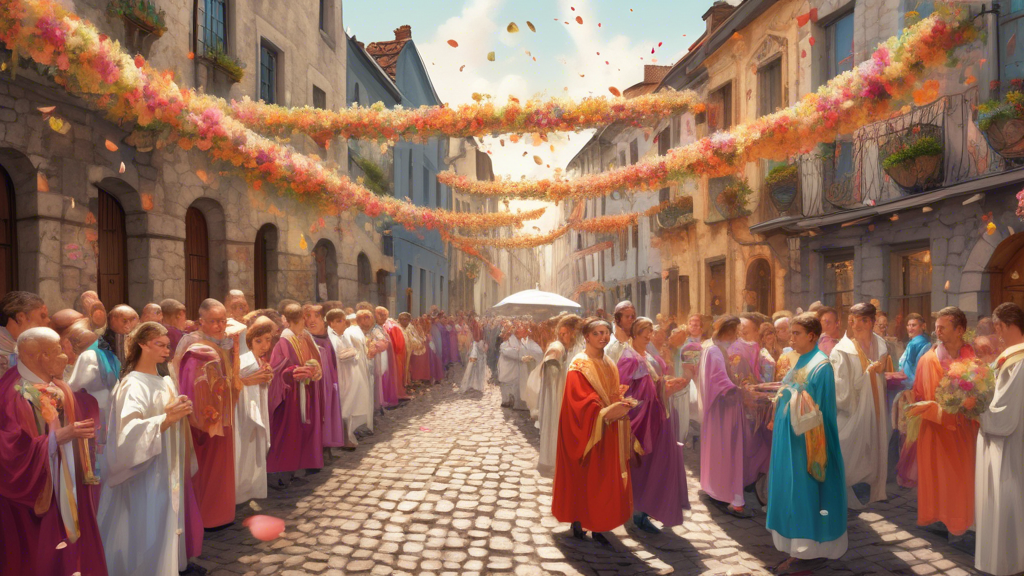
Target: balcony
{"x": 675, "y": 217}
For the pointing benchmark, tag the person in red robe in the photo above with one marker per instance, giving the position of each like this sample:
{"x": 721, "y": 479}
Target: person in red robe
{"x": 947, "y": 443}
{"x": 592, "y": 487}
{"x": 44, "y": 499}
{"x": 295, "y": 400}
{"x": 394, "y": 330}
{"x": 206, "y": 365}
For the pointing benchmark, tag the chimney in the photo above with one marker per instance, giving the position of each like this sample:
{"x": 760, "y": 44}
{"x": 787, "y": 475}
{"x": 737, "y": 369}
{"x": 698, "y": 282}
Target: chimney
{"x": 403, "y": 33}
{"x": 717, "y": 14}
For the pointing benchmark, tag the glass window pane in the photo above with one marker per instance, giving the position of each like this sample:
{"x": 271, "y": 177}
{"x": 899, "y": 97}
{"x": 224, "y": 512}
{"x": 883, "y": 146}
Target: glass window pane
{"x": 841, "y": 46}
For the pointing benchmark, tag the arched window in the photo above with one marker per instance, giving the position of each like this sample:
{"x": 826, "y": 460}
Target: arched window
{"x": 264, "y": 260}
{"x": 8, "y": 236}
{"x": 112, "y": 275}
{"x": 325, "y": 262}
{"x": 197, "y": 261}
{"x": 365, "y": 277}
{"x": 355, "y": 95}
{"x": 758, "y": 294}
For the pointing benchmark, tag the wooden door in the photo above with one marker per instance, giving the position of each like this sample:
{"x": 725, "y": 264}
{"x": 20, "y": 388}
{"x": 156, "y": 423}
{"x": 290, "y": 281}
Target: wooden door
{"x": 260, "y": 251}
{"x": 112, "y": 276}
{"x": 197, "y": 261}
{"x": 8, "y": 237}
{"x": 759, "y": 287}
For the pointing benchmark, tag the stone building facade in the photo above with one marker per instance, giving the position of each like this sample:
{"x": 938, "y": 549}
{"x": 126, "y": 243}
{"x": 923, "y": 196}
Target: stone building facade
{"x": 174, "y": 224}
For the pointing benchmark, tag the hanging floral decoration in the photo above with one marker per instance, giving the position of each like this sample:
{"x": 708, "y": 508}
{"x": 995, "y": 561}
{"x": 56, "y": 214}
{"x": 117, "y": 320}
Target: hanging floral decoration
{"x": 93, "y": 67}
{"x": 870, "y": 92}
{"x": 481, "y": 118}
{"x": 601, "y": 224}
{"x": 588, "y": 287}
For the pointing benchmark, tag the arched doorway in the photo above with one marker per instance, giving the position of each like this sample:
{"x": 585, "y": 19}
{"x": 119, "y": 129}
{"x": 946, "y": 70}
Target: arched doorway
{"x": 757, "y": 295}
{"x": 264, "y": 260}
{"x": 365, "y": 276}
{"x": 8, "y": 236}
{"x": 1006, "y": 271}
{"x": 112, "y": 276}
{"x": 197, "y": 261}
{"x": 325, "y": 262}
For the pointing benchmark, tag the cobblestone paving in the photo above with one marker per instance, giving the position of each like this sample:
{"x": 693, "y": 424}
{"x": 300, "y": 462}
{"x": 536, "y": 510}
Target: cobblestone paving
{"x": 447, "y": 486}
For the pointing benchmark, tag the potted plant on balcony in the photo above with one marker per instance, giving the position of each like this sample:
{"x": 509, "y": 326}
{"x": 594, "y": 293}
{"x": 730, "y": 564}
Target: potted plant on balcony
{"x": 1002, "y": 121}
{"x": 142, "y": 14}
{"x": 732, "y": 200}
{"x": 781, "y": 185}
{"x": 472, "y": 269}
{"x": 230, "y": 66}
{"x": 916, "y": 166}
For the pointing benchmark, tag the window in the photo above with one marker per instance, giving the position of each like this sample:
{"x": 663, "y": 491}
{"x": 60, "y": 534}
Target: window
{"x": 839, "y": 36}
{"x": 263, "y": 256}
{"x": 214, "y": 28}
{"x": 634, "y": 152}
{"x": 664, "y": 143}
{"x": 268, "y": 74}
{"x": 112, "y": 260}
{"x": 364, "y": 276}
{"x": 837, "y": 285}
{"x": 716, "y": 288}
{"x": 600, "y": 261}
{"x": 197, "y": 261}
{"x": 354, "y": 99}
{"x": 382, "y": 287}
{"x": 911, "y": 284}
{"x": 423, "y": 291}
{"x": 323, "y": 15}
{"x": 719, "y": 111}
{"x": 8, "y": 236}
{"x": 769, "y": 88}
{"x": 622, "y": 157}
{"x": 636, "y": 236}
{"x": 426, "y": 187}
{"x": 1011, "y": 24}
{"x": 623, "y": 244}
{"x": 319, "y": 98}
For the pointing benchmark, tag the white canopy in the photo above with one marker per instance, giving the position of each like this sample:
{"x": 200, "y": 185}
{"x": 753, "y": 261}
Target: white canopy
{"x": 536, "y": 303}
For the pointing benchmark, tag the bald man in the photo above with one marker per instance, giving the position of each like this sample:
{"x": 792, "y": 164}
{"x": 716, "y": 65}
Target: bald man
{"x": 206, "y": 365}
{"x": 89, "y": 303}
{"x": 42, "y": 491}
{"x": 121, "y": 320}
{"x": 152, "y": 312}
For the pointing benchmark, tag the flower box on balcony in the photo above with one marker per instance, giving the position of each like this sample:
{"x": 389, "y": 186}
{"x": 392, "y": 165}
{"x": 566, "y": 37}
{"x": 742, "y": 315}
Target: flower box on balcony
{"x": 1006, "y": 136}
{"x": 231, "y": 67}
{"x": 732, "y": 201}
{"x": 142, "y": 14}
{"x": 1002, "y": 120}
{"x": 781, "y": 185}
{"x": 916, "y": 167}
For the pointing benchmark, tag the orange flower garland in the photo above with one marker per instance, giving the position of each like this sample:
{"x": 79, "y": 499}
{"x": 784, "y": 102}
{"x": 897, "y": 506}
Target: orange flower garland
{"x": 91, "y": 66}
{"x": 481, "y": 118}
{"x": 868, "y": 93}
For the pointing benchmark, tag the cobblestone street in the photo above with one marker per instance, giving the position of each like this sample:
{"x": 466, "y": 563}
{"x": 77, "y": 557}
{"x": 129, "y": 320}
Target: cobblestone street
{"x": 447, "y": 486}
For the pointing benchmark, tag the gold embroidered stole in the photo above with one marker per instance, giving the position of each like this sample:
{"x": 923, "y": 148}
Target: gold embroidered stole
{"x": 300, "y": 344}
{"x": 864, "y": 362}
{"x": 604, "y": 379}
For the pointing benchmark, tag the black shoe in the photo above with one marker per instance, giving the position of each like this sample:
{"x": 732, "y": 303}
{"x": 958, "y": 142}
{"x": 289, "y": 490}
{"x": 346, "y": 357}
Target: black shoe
{"x": 578, "y": 531}
{"x": 643, "y": 522}
{"x": 600, "y": 539}
{"x": 193, "y": 569}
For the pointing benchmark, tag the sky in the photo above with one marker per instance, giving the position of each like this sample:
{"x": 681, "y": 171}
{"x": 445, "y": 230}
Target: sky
{"x": 562, "y": 58}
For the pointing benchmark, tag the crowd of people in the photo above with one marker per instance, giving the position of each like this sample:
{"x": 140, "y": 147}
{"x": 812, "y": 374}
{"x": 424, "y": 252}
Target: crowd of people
{"x": 794, "y": 409}
{"x": 125, "y": 436}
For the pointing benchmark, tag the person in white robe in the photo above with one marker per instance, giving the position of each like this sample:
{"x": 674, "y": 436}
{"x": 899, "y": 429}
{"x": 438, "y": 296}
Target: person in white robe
{"x": 142, "y": 508}
{"x": 625, "y": 314}
{"x": 554, "y": 369}
{"x": 477, "y": 373}
{"x": 860, "y": 361}
{"x": 999, "y": 464}
{"x": 355, "y": 373}
{"x": 519, "y": 355}
{"x": 252, "y": 412}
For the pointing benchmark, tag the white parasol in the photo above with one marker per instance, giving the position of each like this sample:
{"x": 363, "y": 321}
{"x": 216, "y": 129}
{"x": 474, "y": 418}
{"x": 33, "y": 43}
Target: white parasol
{"x": 536, "y": 303}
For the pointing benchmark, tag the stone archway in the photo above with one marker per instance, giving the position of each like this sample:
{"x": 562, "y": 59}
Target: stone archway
{"x": 28, "y": 258}
{"x": 211, "y": 214}
{"x": 1006, "y": 271}
{"x": 757, "y": 293}
{"x": 325, "y": 263}
{"x": 265, "y": 266}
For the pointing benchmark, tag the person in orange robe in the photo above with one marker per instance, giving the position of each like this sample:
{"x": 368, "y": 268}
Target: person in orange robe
{"x": 592, "y": 484}
{"x": 946, "y": 444}
{"x": 206, "y": 366}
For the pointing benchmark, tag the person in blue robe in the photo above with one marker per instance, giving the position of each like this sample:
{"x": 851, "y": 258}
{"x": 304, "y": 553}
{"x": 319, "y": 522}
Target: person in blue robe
{"x": 807, "y": 518}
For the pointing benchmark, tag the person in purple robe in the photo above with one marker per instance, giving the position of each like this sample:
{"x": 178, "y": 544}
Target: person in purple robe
{"x": 659, "y": 478}
{"x": 383, "y": 361}
{"x": 732, "y": 452}
{"x": 436, "y": 348}
{"x": 44, "y": 498}
{"x": 453, "y": 344}
{"x": 295, "y": 399}
{"x": 333, "y": 432}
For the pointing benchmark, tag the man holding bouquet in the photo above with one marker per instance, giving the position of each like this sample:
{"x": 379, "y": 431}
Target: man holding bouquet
{"x": 946, "y": 443}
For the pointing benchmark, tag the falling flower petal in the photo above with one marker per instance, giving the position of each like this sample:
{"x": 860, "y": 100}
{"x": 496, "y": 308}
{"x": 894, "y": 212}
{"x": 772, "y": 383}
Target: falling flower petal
{"x": 582, "y": 75}
{"x": 490, "y": 56}
{"x": 264, "y": 528}
{"x": 62, "y": 545}
{"x": 614, "y": 90}
{"x": 424, "y": 428}
{"x": 191, "y": 55}
{"x": 537, "y": 160}
{"x": 147, "y": 202}
{"x": 453, "y": 43}
{"x": 58, "y": 125}
{"x": 530, "y": 26}
{"x": 652, "y": 50}
{"x": 552, "y": 147}
{"x": 47, "y": 109}
{"x": 1011, "y": 45}
{"x": 121, "y": 169}
{"x": 302, "y": 242}
{"x": 599, "y": 25}
{"x": 579, "y": 19}
{"x": 803, "y": 53}
{"x": 970, "y": 80}
{"x": 110, "y": 146}
{"x": 461, "y": 68}
{"x": 42, "y": 184}
{"x": 811, "y": 41}
{"x": 203, "y": 176}
{"x": 512, "y": 28}
{"x": 659, "y": 44}
{"x": 991, "y": 228}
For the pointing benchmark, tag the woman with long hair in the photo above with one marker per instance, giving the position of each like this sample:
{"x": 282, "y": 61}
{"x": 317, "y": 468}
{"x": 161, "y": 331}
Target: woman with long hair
{"x": 142, "y": 510}
{"x": 252, "y": 412}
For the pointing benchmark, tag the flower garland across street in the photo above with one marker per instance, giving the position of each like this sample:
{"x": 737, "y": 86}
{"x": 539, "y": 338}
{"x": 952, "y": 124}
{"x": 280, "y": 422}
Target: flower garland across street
{"x": 481, "y": 118}
{"x": 93, "y": 67}
{"x": 870, "y": 92}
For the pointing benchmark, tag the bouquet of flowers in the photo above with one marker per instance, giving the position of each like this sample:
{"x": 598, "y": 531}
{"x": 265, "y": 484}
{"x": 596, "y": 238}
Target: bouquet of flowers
{"x": 966, "y": 389}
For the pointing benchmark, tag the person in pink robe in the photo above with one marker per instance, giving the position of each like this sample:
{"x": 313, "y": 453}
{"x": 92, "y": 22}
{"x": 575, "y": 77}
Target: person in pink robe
{"x": 206, "y": 365}
{"x": 295, "y": 398}
{"x": 333, "y": 433}
{"x": 732, "y": 452}
{"x": 386, "y": 375}
{"x": 419, "y": 359}
{"x": 40, "y": 499}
